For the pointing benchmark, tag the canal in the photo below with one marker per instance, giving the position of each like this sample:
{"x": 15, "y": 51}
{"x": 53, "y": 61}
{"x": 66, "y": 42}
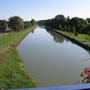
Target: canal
{"x": 51, "y": 59}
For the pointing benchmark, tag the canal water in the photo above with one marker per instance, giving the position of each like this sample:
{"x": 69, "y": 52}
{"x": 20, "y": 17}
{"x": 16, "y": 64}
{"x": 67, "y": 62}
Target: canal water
{"x": 51, "y": 59}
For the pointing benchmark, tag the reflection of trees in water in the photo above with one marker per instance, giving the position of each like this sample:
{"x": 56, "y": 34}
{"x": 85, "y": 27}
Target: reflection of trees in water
{"x": 59, "y": 38}
{"x": 89, "y": 52}
{"x": 67, "y": 40}
{"x": 32, "y": 31}
{"x": 41, "y": 26}
{"x": 56, "y": 37}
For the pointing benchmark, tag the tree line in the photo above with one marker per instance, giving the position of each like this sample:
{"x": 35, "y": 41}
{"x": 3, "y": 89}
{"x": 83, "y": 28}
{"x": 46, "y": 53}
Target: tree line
{"x": 16, "y": 23}
{"x": 75, "y": 25}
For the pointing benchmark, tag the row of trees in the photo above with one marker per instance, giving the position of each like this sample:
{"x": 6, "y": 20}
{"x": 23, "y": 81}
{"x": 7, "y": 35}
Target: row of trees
{"x": 28, "y": 24}
{"x": 3, "y": 25}
{"x": 75, "y": 25}
{"x": 16, "y": 23}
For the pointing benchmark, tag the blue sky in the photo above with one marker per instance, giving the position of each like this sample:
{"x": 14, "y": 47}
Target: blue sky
{"x": 44, "y": 9}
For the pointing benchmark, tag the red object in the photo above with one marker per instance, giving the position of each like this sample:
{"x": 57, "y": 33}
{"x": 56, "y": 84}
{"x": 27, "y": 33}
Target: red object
{"x": 88, "y": 76}
{"x": 82, "y": 74}
{"x": 86, "y": 70}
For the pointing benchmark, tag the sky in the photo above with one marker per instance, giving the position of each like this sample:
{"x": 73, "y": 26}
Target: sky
{"x": 44, "y": 9}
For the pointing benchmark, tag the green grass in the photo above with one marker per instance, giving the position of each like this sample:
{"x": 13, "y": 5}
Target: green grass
{"x": 83, "y": 38}
{"x": 12, "y": 38}
{"x": 12, "y": 75}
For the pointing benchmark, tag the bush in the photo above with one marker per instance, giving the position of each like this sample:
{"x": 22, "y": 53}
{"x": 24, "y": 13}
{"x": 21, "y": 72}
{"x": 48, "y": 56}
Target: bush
{"x": 27, "y": 24}
{"x": 3, "y": 25}
{"x": 16, "y": 23}
{"x": 86, "y": 29}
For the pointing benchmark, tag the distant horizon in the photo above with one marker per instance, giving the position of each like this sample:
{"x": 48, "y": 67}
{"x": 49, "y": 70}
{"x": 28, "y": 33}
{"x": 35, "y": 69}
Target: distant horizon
{"x": 44, "y": 19}
{"x": 44, "y": 9}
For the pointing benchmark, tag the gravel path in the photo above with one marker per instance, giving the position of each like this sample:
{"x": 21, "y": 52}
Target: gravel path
{"x": 1, "y": 34}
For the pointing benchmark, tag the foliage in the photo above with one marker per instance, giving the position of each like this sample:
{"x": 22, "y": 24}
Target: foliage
{"x": 85, "y": 75}
{"x": 28, "y": 24}
{"x": 75, "y": 28}
{"x": 60, "y": 19}
{"x": 83, "y": 38}
{"x": 12, "y": 74}
{"x": 78, "y": 23}
{"x": 33, "y": 22}
{"x": 88, "y": 19}
{"x": 16, "y": 23}
{"x": 75, "y": 25}
{"x": 3, "y": 25}
{"x": 86, "y": 29}
{"x": 12, "y": 38}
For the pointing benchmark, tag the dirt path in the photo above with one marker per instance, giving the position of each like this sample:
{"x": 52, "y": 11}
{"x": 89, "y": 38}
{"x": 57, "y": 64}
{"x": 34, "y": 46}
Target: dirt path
{"x": 1, "y": 34}
{"x": 3, "y": 51}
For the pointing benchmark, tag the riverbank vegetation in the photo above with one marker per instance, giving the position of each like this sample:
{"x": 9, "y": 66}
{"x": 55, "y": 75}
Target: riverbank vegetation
{"x": 13, "y": 37}
{"x": 18, "y": 27}
{"x": 15, "y": 23}
{"x": 3, "y": 25}
{"x": 12, "y": 74}
{"x": 76, "y": 28}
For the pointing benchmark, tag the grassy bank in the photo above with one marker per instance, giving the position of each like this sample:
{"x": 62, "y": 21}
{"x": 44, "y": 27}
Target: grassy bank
{"x": 82, "y": 39}
{"x": 12, "y": 75}
{"x": 12, "y": 38}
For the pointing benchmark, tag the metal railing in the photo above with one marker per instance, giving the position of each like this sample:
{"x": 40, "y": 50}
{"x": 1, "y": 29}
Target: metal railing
{"x": 68, "y": 87}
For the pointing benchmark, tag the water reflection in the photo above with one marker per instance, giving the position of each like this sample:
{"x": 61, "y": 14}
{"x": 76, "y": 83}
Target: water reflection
{"x": 51, "y": 59}
{"x": 58, "y": 38}
{"x": 33, "y": 31}
{"x": 89, "y": 52}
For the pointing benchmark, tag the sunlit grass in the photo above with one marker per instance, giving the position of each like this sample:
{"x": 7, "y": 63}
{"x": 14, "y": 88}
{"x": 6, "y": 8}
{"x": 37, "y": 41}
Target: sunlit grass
{"x": 12, "y": 38}
{"x": 11, "y": 73}
{"x": 83, "y": 38}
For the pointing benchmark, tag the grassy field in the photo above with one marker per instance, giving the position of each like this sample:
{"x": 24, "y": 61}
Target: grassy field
{"x": 12, "y": 38}
{"x": 12, "y": 75}
{"x": 82, "y": 38}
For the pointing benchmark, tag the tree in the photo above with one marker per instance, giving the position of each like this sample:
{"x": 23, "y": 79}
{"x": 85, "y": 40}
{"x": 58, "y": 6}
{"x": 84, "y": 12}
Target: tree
{"x": 75, "y": 25}
{"x": 73, "y": 29}
{"x": 88, "y": 19}
{"x": 16, "y": 23}
{"x": 86, "y": 29}
{"x": 60, "y": 19}
{"x": 3, "y": 25}
{"x": 79, "y": 23}
{"x": 27, "y": 24}
{"x": 65, "y": 28}
{"x": 33, "y": 22}
{"x": 60, "y": 27}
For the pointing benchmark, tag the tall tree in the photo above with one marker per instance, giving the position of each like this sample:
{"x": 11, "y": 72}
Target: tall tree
{"x": 86, "y": 29}
{"x": 3, "y": 25}
{"x": 33, "y": 22}
{"x": 60, "y": 19}
{"x": 88, "y": 19}
{"x": 16, "y": 23}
